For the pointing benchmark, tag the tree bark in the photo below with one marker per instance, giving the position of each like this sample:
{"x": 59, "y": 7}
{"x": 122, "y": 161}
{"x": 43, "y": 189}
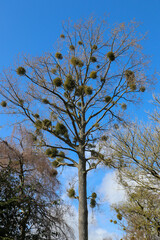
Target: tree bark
{"x": 83, "y": 211}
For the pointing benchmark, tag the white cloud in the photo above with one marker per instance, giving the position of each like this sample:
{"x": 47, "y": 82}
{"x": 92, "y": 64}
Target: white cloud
{"x": 94, "y": 232}
{"x": 110, "y": 189}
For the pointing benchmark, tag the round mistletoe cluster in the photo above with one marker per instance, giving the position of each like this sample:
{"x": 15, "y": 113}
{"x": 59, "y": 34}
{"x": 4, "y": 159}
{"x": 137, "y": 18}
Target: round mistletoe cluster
{"x": 93, "y": 200}
{"x": 21, "y": 71}
{"x": 111, "y": 56}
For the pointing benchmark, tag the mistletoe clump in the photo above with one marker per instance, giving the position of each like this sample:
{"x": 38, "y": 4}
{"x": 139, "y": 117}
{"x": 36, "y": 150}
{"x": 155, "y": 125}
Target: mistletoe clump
{"x": 38, "y": 124}
{"x": 47, "y": 123}
{"x": 92, "y": 203}
{"x": 52, "y": 152}
{"x": 71, "y": 193}
{"x": 80, "y": 90}
{"x": 119, "y": 216}
{"x": 21, "y": 101}
{"x": 69, "y": 83}
{"x": 130, "y": 78}
{"x": 107, "y": 99}
{"x": 36, "y": 115}
{"x": 124, "y": 106}
{"x": 93, "y": 59}
{"x": 94, "y": 47}
{"x": 3, "y": 104}
{"x": 45, "y": 101}
{"x": 53, "y": 70}
{"x": 21, "y": 71}
{"x": 72, "y": 47}
{"x": 57, "y": 82}
{"x": 94, "y": 195}
{"x": 88, "y": 90}
{"x": 62, "y": 36}
{"x": 61, "y": 129}
{"x": 59, "y": 56}
{"x": 111, "y": 56}
{"x": 93, "y": 75}
{"x": 142, "y": 89}
{"x": 104, "y": 138}
{"x": 80, "y": 42}
{"x": 76, "y": 62}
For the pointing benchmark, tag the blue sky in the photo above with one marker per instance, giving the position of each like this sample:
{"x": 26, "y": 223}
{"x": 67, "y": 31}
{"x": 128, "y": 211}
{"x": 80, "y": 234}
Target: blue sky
{"x": 32, "y": 27}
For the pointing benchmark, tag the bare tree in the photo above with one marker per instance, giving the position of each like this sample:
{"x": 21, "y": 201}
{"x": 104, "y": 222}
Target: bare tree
{"x": 73, "y": 95}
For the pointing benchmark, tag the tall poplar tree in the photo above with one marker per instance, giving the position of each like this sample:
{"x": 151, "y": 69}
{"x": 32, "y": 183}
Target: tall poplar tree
{"x": 73, "y": 95}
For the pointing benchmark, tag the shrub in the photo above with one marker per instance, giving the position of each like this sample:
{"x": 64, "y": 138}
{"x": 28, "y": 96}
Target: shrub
{"x": 94, "y": 195}
{"x": 80, "y": 42}
{"x": 62, "y": 36}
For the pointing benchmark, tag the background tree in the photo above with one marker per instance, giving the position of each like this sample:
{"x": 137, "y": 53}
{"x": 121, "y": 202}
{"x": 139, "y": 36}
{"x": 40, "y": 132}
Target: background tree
{"x": 138, "y": 151}
{"x": 75, "y": 94}
{"x": 29, "y": 205}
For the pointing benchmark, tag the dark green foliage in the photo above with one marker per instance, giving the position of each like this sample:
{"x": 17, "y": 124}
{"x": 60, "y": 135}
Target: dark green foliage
{"x": 21, "y": 71}
{"x": 93, "y": 59}
{"x": 111, "y": 56}
{"x": 45, "y": 101}
{"x": 3, "y": 104}
{"x": 93, "y": 75}
{"x": 72, "y": 47}
{"x": 98, "y": 66}
{"x": 93, "y": 165}
{"x": 94, "y": 195}
{"x": 59, "y": 56}
{"x": 92, "y": 203}
{"x": 124, "y": 106}
{"x": 142, "y": 89}
{"x": 62, "y": 36}
{"x": 94, "y": 47}
{"x": 115, "y": 222}
{"x": 107, "y": 99}
{"x": 71, "y": 193}
{"x": 88, "y": 90}
{"x": 52, "y": 152}
{"x": 69, "y": 83}
{"x": 57, "y": 82}
{"x": 61, "y": 129}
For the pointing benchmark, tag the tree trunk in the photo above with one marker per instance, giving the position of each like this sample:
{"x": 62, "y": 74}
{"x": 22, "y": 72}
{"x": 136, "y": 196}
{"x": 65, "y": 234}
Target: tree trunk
{"x": 83, "y": 211}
